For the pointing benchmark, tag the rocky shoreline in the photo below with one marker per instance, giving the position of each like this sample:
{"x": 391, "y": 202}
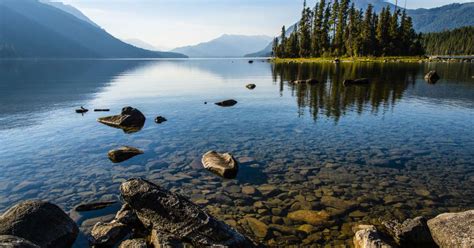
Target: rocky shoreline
{"x": 152, "y": 216}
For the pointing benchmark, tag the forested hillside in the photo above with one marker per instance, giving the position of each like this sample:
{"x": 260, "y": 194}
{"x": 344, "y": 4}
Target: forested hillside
{"x": 459, "y": 41}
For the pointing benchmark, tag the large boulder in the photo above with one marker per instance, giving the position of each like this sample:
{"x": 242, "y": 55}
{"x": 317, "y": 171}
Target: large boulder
{"x": 222, "y": 164}
{"x": 8, "y": 241}
{"x": 123, "y": 153}
{"x": 42, "y": 223}
{"x": 367, "y": 236}
{"x": 173, "y": 215}
{"x": 130, "y": 120}
{"x": 410, "y": 233}
{"x": 453, "y": 229}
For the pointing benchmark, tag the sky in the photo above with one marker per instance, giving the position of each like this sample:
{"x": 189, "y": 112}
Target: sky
{"x": 167, "y": 24}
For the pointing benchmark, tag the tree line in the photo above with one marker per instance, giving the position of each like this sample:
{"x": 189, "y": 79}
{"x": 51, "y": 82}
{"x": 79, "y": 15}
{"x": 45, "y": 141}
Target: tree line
{"x": 458, "y": 41}
{"x": 337, "y": 28}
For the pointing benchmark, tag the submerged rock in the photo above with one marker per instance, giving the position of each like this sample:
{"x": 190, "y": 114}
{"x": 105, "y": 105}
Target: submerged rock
{"x": 123, "y": 153}
{"x": 226, "y": 103}
{"x": 367, "y": 236}
{"x": 453, "y": 229}
{"x": 42, "y": 223}
{"x": 130, "y": 120}
{"x": 81, "y": 110}
{"x": 360, "y": 81}
{"x": 258, "y": 228}
{"x": 222, "y": 164}
{"x": 160, "y": 119}
{"x": 410, "y": 233}
{"x": 251, "y": 86}
{"x": 173, "y": 215}
{"x": 432, "y": 77}
{"x": 309, "y": 216}
{"x": 9, "y": 241}
{"x": 93, "y": 206}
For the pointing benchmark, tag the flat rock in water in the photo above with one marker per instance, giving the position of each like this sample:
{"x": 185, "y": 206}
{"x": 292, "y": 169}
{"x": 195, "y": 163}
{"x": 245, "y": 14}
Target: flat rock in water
{"x": 226, "y": 103}
{"x": 222, "y": 164}
{"x": 123, "y": 153}
{"x": 93, "y": 206}
{"x": 453, "y": 229}
{"x": 42, "y": 223}
{"x": 309, "y": 216}
{"x": 251, "y": 86}
{"x": 172, "y": 214}
{"x": 432, "y": 77}
{"x": 9, "y": 241}
{"x": 130, "y": 120}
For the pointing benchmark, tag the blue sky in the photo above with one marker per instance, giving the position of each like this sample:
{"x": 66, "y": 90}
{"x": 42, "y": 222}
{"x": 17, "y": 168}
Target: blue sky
{"x": 171, "y": 23}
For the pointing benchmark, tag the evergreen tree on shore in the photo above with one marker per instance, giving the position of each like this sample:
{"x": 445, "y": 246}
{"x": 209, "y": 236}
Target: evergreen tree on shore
{"x": 337, "y": 28}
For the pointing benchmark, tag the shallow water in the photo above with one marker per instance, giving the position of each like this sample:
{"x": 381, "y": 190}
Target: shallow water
{"x": 397, "y": 148}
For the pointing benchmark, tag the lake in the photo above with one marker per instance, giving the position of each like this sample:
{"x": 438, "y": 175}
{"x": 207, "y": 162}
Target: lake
{"x": 394, "y": 149}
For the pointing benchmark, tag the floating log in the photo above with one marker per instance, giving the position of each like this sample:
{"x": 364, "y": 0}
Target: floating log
{"x": 360, "y": 81}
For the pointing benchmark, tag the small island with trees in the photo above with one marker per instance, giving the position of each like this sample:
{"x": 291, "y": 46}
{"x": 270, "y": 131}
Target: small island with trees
{"x": 337, "y": 29}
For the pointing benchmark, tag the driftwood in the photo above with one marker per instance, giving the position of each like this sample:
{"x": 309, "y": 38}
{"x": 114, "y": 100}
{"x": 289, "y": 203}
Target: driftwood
{"x": 360, "y": 81}
{"x": 173, "y": 215}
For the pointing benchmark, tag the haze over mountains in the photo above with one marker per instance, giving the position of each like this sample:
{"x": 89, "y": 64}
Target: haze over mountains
{"x": 31, "y": 29}
{"x": 424, "y": 20}
{"x": 226, "y": 46}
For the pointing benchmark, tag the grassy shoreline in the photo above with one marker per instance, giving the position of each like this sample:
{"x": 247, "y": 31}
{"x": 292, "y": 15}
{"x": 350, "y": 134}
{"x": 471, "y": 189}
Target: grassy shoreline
{"x": 407, "y": 59}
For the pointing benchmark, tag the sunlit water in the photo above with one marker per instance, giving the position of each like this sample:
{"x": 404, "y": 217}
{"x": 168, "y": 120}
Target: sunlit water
{"x": 397, "y": 148}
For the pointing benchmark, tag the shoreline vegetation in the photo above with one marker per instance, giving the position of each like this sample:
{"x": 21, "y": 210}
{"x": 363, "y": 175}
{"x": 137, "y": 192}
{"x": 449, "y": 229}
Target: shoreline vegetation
{"x": 388, "y": 59}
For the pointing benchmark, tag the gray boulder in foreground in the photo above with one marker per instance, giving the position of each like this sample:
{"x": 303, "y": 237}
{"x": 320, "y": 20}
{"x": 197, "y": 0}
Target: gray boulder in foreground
{"x": 453, "y": 229}
{"x": 8, "y": 241}
{"x": 222, "y": 164}
{"x": 172, "y": 214}
{"x": 41, "y": 223}
{"x": 130, "y": 120}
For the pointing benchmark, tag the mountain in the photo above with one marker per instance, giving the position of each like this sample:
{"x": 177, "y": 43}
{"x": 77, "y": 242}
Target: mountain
{"x": 439, "y": 19}
{"x": 225, "y": 46}
{"x": 71, "y": 10}
{"x": 267, "y": 51}
{"x": 31, "y": 29}
{"x": 140, "y": 44}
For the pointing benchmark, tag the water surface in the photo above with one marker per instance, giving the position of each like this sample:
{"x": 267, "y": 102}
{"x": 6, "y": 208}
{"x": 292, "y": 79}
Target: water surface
{"x": 396, "y": 148}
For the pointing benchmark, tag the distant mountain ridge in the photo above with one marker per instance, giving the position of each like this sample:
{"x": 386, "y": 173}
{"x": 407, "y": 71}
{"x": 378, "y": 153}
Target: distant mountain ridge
{"x": 438, "y": 19}
{"x": 71, "y": 10}
{"x": 225, "y": 46}
{"x": 31, "y": 29}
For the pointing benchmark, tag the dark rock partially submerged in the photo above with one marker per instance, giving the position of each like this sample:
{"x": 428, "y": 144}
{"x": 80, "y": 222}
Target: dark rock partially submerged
{"x": 250, "y": 61}
{"x": 9, "y": 241}
{"x": 123, "y": 153}
{"x": 171, "y": 214}
{"x": 360, "y": 81}
{"x": 130, "y": 120}
{"x": 42, "y": 223}
{"x": 81, "y": 110}
{"x": 432, "y": 77}
{"x": 311, "y": 81}
{"x": 101, "y": 110}
{"x": 222, "y": 164}
{"x": 251, "y": 86}
{"x": 227, "y": 103}
{"x": 160, "y": 119}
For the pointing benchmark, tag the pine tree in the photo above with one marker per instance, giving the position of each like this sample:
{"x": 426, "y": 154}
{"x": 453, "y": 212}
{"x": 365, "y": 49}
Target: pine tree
{"x": 305, "y": 32}
{"x": 383, "y": 36}
{"x": 342, "y": 13}
{"x": 394, "y": 46}
{"x": 334, "y": 20}
{"x": 316, "y": 34}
